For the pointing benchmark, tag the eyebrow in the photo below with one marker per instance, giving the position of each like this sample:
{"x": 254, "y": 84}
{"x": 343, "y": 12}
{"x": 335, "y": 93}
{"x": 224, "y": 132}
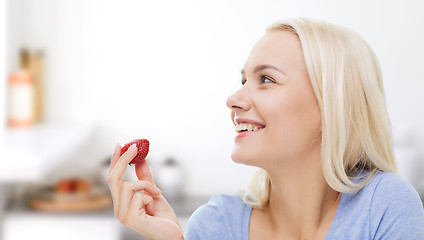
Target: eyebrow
{"x": 263, "y": 67}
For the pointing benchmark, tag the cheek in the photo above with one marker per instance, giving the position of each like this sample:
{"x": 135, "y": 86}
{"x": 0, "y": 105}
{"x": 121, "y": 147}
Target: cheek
{"x": 292, "y": 124}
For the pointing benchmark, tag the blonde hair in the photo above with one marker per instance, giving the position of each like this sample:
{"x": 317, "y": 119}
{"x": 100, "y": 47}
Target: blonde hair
{"x": 347, "y": 81}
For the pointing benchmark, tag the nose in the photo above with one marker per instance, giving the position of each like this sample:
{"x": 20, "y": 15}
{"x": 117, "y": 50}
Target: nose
{"x": 239, "y": 101}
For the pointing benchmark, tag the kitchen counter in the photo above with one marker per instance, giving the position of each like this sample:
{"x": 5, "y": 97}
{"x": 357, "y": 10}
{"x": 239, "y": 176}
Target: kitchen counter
{"x": 29, "y": 154}
{"x": 82, "y": 225}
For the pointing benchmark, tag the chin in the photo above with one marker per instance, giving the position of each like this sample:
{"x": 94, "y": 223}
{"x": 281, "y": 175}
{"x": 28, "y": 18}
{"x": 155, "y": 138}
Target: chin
{"x": 245, "y": 158}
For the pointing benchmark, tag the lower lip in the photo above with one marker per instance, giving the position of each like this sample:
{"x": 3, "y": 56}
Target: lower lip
{"x": 246, "y": 134}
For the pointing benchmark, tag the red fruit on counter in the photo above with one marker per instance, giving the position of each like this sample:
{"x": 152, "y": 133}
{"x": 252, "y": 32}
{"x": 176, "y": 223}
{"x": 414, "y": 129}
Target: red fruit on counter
{"x": 64, "y": 186}
{"x": 73, "y": 185}
{"x": 143, "y": 149}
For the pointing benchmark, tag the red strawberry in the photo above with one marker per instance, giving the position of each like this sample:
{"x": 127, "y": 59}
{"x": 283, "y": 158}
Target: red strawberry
{"x": 143, "y": 150}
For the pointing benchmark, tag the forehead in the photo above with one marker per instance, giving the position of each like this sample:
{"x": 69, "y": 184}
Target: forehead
{"x": 276, "y": 47}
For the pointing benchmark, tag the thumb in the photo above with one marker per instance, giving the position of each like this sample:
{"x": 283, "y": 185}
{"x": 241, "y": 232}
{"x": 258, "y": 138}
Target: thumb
{"x": 142, "y": 171}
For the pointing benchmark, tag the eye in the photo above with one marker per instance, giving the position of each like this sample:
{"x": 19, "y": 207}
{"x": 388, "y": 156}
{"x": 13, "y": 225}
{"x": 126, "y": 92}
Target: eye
{"x": 266, "y": 79}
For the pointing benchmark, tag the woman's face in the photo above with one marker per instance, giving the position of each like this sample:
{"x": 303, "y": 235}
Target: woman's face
{"x": 276, "y": 114}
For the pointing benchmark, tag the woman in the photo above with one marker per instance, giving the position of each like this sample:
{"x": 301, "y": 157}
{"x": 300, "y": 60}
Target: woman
{"x": 311, "y": 115}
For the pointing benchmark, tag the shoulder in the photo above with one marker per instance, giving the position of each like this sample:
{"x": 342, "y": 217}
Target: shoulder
{"x": 224, "y": 201}
{"x": 387, "y": 207}
{"x": 223, "y": 217}
{"x": 220, "y": 206}
{"x": 385, "y": 189}
{"x": 384, "y": 186}
{"x": 389, "y": 189}
{"x": 395, "y": 208}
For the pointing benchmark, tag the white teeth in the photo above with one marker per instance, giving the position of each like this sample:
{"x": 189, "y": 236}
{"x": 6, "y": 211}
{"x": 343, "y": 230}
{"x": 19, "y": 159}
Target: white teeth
{"x": 246, "y": 127}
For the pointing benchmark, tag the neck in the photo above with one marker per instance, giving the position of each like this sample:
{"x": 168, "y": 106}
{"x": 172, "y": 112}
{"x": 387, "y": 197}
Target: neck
{"x": 301, "y": 203}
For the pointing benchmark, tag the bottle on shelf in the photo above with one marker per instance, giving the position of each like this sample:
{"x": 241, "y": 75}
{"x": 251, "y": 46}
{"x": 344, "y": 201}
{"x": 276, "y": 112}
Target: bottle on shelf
{"x": 34, "y": 66}
{"x": 20, "y": 96}
{"x": 25, "y": 91}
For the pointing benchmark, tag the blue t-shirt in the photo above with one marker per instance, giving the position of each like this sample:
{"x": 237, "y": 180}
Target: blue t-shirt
{"x": 386, "y": 208}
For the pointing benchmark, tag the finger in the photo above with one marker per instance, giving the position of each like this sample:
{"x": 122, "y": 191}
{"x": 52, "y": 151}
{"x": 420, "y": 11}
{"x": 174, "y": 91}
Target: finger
{"x": 114, "y": 188}
{"x": 120, "y": 167}
{"x": 115, "y": 157}
{"x": 143, "y": 173}
{"x": 139, "y": 203}
{"x": 127, "y": 192}
{"x": 115, "y": 176}
{"x": 137, "y": 186}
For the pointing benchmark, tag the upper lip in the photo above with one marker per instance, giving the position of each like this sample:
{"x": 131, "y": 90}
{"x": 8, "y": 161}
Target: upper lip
{"x": 249, "y": 121}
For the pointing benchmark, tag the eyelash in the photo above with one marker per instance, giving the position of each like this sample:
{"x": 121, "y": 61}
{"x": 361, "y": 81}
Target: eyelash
{"x": 263, "y": 78}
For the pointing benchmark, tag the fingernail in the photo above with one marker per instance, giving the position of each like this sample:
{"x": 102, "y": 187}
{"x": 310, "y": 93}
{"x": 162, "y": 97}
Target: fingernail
{"x": 116, "y": 149}
{"x": 132, "y": 147}
{"x": 157, "y": 189}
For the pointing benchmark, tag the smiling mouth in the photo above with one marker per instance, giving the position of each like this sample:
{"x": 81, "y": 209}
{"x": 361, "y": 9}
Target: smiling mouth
{"x": 247, "y": 127}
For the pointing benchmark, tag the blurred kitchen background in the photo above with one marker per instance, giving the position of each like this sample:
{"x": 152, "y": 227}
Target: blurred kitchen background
{"x": 79, "y": 76}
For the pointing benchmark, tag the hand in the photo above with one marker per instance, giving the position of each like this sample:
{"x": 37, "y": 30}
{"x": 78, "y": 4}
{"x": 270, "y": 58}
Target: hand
{"x": 147, "y": 213}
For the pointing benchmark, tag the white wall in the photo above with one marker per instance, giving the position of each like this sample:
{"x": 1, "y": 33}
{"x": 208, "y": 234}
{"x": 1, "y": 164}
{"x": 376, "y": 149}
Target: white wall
{"x": 163, "y": 69}
{"x": 3, "y": 25}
